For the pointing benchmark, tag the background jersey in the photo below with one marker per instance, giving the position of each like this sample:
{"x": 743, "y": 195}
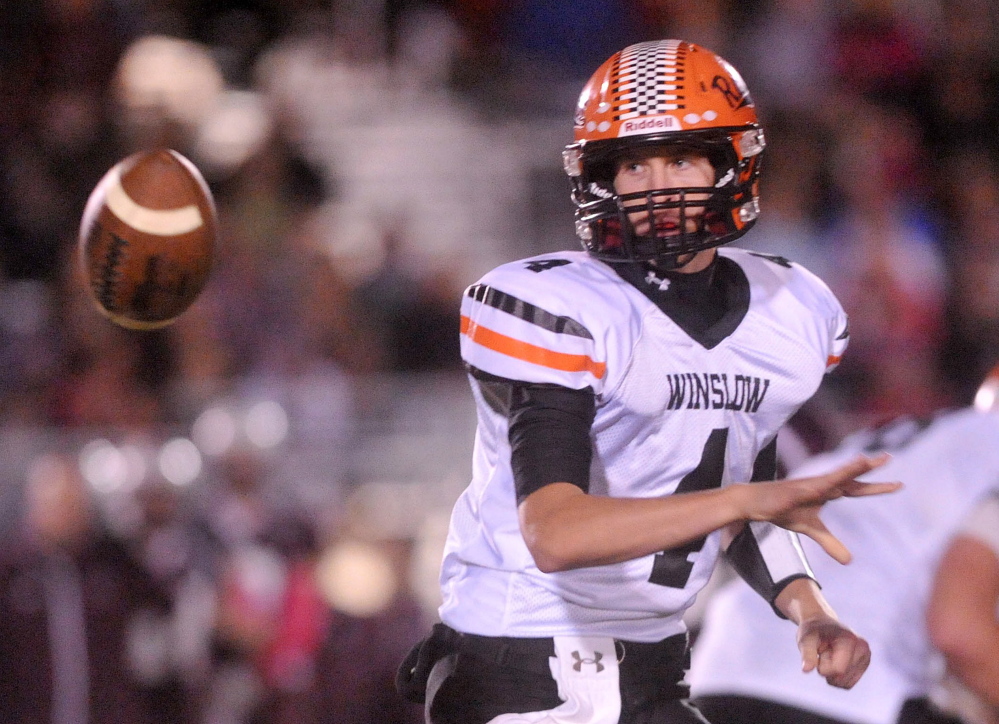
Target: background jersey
{"x": 671, "y": 416}
{"x": 947, "y": 464}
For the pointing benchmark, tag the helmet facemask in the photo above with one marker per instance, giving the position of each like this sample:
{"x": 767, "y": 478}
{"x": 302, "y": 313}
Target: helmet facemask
{"x": 721, "y": 213}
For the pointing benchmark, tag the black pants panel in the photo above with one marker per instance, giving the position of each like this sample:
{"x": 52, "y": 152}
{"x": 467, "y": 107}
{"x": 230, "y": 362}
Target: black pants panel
{"x": 749, "y": 710}
{"x": 470, "y": 689}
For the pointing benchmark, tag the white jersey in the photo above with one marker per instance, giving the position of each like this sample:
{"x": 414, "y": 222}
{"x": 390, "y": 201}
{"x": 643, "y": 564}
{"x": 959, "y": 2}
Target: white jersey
{"x": 947, "y": 465}
{"x": 671, "y": 415}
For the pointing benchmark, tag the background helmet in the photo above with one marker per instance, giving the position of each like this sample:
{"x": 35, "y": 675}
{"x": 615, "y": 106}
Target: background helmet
{"x": 666, "y": 92}
{"x": 987, "y": 397}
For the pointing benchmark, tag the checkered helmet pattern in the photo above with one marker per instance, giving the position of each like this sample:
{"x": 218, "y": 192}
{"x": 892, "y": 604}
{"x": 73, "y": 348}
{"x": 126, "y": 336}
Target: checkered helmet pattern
{"x": 648, "y": 79}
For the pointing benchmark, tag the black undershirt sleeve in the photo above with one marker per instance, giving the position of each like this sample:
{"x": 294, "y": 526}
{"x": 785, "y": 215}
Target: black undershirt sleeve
{"x": 550, "y": 436}
{"x": 744, "y": 553}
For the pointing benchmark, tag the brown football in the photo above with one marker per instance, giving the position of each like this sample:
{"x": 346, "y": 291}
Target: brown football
{"x": 147, "y": 239}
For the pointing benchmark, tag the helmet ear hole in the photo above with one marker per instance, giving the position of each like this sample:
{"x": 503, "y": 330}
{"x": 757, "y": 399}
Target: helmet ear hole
{"x": 723, "y": 164}
{"x": 603, "y": 172}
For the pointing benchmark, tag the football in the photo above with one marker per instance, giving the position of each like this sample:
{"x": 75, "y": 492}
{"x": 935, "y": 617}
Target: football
{"x": 147, "y": 239}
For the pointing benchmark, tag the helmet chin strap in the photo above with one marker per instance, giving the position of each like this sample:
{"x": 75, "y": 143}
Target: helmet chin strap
{"x": 673, "y": 262}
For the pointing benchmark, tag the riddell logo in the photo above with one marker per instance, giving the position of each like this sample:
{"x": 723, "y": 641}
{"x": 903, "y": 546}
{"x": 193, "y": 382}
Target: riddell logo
{"x": 649, "y": 124}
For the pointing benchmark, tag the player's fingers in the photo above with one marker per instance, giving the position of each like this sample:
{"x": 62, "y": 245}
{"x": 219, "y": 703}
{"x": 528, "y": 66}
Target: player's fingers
{"x": 825, "y": 666}
{"x": 846, "y": 663}
{"x": 857, "y": 489}
{"x": 835, "y": 660}
{"x": 860, "y": 664}
{"x": 849, "y": 679}
{"x": 832, "y": 545}
{"x": 856, "y": 467}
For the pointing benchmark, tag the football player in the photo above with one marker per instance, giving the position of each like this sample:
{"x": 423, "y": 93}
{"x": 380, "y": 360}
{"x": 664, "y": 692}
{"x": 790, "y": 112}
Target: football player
{"x": 929, "y": 576}
{"x": 626, "y": 395}
{"x": 963, "y": 614}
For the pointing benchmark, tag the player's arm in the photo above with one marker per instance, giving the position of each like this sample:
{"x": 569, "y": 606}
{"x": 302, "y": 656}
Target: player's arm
{"x": 962, "y": 614}
{"x": 565, "y": 527}
{"x": 826, "y": 645}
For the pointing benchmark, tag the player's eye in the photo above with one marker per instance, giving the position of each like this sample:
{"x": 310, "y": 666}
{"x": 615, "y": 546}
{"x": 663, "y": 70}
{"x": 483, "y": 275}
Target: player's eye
{"x": 631, "y": 167}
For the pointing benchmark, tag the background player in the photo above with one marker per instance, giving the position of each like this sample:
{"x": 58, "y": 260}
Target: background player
{"x": 622, "y": 394}
{"x": 963, "y": 615}
{"x": 950, "y": 464}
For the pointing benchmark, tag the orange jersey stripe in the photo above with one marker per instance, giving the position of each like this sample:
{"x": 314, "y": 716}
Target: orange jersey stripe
{"x": 518, "y": 349}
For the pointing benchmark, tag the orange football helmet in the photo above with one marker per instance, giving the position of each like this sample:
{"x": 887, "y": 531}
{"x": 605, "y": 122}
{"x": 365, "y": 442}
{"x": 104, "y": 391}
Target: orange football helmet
{"x": 664, "y": 93}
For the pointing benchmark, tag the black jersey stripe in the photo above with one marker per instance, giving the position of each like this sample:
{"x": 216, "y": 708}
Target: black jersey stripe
{"x": 528, "y": 312}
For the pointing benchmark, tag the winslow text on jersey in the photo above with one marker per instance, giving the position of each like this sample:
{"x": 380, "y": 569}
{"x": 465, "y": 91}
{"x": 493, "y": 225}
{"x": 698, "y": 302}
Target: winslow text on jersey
{"x": 716, "y": 391}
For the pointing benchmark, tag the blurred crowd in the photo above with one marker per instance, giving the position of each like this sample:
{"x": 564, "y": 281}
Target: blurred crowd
{"x": 369, "y": 159}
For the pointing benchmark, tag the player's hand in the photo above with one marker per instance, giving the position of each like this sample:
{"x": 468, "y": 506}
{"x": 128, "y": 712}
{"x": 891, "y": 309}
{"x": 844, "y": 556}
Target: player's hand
{"x": 837, "y": 653}
{"x": 795, "y": 503}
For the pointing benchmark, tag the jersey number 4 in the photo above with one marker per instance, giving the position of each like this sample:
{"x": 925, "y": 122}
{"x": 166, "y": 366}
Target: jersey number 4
{"x": 672, "y": 567}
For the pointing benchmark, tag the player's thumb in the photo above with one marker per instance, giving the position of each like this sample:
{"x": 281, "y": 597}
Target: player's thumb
{"x": 832, "y": 545}
{"x": 808, "y": 645}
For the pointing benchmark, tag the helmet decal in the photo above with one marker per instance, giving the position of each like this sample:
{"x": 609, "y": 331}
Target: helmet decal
{"x": 647, "y": 125}
{"x": 646, "y": 77}
{"x": 732, "y": 87}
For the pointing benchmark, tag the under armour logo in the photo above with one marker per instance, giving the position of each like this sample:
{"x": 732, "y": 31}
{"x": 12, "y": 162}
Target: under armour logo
{"x": 655, "y": 281}
{"x": 578, "y": 666}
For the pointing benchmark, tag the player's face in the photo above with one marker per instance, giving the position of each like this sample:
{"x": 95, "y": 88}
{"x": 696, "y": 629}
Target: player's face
{"x": 663, "y": 168}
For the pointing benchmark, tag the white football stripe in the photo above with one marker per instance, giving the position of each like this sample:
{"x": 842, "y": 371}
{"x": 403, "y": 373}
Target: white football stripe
{"x": 170, "y": 222}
